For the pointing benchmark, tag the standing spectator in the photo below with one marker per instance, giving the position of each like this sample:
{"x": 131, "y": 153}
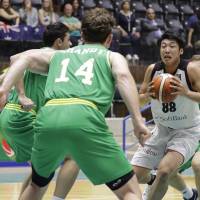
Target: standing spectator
{"x": 7, "y": 14}
{"x": 28, "y": 14}
{"x": 71, "y": 22}
{"x": 77, "y": 11}
{"x": 150, "y": 33}
{"x": 46, "y": 13}
{"x": 194, "y": 29}
{"x": 127, "y": 26}
{"x": 192, "y": 34}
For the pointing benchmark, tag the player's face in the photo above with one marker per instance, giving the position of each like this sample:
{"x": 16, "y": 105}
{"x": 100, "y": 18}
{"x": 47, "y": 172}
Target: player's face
{"x": 170, "y": 51}
{"x": 66, "y": 43}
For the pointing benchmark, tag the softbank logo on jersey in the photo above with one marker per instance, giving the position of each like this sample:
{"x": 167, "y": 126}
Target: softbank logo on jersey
{"x": 172, "y": 118}
{"x": 148, "y": 151}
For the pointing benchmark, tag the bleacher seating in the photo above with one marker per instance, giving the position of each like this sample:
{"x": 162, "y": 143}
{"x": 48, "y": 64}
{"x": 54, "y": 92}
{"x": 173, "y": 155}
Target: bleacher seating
{"x": 21, "y": 33}
{"x": 172, "y": 14}
{"x": 87, "y": 4}
{"x": 106, "y": 4}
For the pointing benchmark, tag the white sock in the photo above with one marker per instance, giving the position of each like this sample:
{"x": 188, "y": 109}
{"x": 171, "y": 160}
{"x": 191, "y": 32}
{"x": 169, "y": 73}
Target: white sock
{"x": 57, "y": 198}
{"x": 187, "y": 193}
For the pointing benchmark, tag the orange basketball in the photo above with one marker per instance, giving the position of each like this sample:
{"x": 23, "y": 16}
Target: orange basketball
{"x": 162, "y": 89}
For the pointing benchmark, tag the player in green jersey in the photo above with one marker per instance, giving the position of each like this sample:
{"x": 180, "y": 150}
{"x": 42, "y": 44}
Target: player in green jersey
{"x": 16, "y": 124}
{"x": 79, "y": 91}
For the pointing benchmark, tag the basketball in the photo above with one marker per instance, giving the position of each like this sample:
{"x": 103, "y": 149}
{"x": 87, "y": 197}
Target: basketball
{"x": 162, "y": 89}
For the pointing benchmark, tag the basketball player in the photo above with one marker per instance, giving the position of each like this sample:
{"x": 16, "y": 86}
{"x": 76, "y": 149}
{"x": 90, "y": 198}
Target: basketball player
{"x": 79, "y": 90}
{"x": 16, "y": 124}
{"x": 176, "y": 180}
{"x": 177, "y": 131}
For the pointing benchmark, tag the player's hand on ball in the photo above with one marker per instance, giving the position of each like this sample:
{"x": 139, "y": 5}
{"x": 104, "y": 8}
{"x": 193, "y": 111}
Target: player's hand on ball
{"x": 178, "y": 87}
{"x": 151, "y": 90}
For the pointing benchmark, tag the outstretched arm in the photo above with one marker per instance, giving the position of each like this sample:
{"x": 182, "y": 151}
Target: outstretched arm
{"x": 26, "y": 103}
{"x": 36, "y": 60}
{"x": 128, "y": 91}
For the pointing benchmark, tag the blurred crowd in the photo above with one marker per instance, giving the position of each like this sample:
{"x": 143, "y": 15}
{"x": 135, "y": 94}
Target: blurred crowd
{"x": 139, "y": 24}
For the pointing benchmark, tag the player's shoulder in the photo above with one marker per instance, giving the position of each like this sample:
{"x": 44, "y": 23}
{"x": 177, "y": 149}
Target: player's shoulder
{"x": 115, "y": 56}
{"x": 193, "y": 68}
{"x": 194, "y": 63}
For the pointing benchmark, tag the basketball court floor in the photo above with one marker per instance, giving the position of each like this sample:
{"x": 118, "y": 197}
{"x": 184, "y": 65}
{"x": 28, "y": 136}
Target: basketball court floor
{"x": 11, "y": 179}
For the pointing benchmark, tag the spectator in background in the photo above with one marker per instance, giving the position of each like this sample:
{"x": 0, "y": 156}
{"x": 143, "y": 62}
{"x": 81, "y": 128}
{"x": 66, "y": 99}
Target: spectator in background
{"x": 194, "y": 29}
{"x": 71, "y": 22}
{"x": 77, "y": 11}
{"x": 127, "y": 26}
{"x": 47, "y": 15}
{"x": 150, "y": 33}
{"x": 7, "y": 14}
{"x": 28, "y": 14}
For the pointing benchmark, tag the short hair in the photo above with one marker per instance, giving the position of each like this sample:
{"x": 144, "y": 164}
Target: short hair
{"x": 53, "y": 32}
{"x": 172, "y": 35}
{"x": 123, "y": 2}
{"x": 97, "y": 24}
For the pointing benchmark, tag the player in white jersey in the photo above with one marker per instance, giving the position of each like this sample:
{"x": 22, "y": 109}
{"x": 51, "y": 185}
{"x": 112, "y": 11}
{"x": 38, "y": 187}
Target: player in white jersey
{"x": 177, "y": 131}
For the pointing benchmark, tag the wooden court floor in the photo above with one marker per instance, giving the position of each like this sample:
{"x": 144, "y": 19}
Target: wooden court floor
{"x": 82, "y": 190}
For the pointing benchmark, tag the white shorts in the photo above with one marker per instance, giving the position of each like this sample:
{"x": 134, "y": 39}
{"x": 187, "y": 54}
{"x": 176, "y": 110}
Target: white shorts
{"x": 184, "y": 141}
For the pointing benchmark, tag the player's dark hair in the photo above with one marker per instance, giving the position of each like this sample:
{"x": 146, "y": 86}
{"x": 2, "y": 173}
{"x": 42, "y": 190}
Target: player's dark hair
{"x": 53, "y": 32}
{"x": 97, "y": 24}
{"x": 172, "y": 35}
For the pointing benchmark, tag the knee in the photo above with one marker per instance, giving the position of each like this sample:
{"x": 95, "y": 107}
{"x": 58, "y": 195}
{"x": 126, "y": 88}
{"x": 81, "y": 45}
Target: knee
{"x": 142, "y": 175}
{"x": 163, "y": 173}
{"x": 142, "y": 178}
{"x": 39, "y": 181}
{"x": 196, "y": 165}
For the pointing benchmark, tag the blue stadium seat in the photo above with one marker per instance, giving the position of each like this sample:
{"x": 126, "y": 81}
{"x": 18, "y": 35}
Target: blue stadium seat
{"x": 139, "y": 9}
{"x": 171, "y": 8}
{"x": 106, "y": 4}
{"x": 174, "y": 24}
{"x": 16, "y": 4}
{"x": 37, "y": 3}
{"x": 87, "y": 4}
{"x": 195, "y": 3}
{"x": 156, "y": 7}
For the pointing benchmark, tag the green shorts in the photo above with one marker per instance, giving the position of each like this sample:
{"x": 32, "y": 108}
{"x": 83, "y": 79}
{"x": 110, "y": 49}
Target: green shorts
{"x": 16, "y": 127}
{"x": 188, "y": 164}
{"x": 79, "y": 131}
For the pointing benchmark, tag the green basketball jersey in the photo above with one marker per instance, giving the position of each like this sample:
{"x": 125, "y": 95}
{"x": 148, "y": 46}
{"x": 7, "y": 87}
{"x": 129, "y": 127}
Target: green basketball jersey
{"x": 34, "y": 85}
{"x": 82, "y": 72}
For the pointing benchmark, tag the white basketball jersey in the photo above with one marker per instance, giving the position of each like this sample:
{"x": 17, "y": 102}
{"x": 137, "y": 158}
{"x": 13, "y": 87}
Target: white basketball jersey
{"x": 180, "y": 113}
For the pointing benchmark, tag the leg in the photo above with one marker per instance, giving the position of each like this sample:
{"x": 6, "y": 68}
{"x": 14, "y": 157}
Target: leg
{"x": 126, "y": 187}
{"x": 143, "y": 174}
{"x": 66, "y": 178}
{"x": 196, "y": 169}
{"x": 25, "y": 184}
{"x": 33, "y": 192}
{"x": 177, "y": 182}
{"x": 171, "y": 161}
{"x": 130, "y": 191}
{"x": 36, "y": 189}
